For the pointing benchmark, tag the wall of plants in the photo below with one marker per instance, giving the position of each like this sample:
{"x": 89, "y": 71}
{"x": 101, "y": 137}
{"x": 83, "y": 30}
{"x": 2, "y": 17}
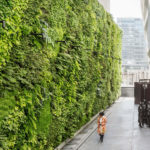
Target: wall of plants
{"x": 59, "y": 66}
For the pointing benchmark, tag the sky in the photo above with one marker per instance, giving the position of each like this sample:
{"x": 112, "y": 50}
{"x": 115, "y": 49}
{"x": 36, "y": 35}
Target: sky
{"x": 125, "y": 8}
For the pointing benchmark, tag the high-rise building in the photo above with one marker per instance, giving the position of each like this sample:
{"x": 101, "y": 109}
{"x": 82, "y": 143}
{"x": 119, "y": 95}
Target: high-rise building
{"x": 145, "y": 5}
{"x": 106, "y": 4}
{"x": 134, "y": 54}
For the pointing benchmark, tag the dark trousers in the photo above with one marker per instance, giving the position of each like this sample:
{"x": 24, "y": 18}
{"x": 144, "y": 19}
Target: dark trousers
{"x": 101, "y": 137}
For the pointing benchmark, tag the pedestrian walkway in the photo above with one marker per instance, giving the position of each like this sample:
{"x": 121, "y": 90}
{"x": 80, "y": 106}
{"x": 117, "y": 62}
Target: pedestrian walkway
{"x": 123, "y": 132}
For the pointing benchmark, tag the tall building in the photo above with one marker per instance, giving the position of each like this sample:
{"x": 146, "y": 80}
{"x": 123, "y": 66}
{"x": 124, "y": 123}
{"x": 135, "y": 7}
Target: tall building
{"x": 145, "y": 5}
{"x": 106, "y": 4}
{"x": 134, "y": 54}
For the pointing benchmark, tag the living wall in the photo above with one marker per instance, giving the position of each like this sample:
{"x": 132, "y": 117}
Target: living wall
{"x": 59, "y": 66}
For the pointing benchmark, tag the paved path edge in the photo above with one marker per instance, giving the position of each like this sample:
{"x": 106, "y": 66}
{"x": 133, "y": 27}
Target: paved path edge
{"x": 82, "y": 128}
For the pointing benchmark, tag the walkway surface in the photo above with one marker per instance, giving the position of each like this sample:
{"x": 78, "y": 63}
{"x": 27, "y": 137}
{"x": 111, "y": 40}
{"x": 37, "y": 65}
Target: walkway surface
{"x": 123, "y": 132}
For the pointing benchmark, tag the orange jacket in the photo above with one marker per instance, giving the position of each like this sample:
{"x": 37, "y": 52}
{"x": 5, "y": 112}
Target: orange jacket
{"x": 101, "y": 122}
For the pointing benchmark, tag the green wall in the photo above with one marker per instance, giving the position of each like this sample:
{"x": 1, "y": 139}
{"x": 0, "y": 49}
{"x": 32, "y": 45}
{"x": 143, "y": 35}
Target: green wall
{"x": 48, "y": 88}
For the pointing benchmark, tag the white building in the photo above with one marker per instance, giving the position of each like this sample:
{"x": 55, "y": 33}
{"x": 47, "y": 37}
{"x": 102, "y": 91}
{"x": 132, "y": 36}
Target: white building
{"x": 131, "y": 76}
{"x": 106, "y": 4}
{"x": 145, "y": 4}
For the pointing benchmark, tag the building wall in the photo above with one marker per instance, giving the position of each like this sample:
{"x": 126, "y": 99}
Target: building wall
{"x": 134, "y": 54}
{"x": 106, "y": 4}
{"x": 131, "y": 76}
{"x": 145, "y": 5}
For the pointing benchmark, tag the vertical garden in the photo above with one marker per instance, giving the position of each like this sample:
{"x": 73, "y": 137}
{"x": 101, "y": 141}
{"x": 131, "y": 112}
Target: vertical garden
{"x": 59, "y": 66}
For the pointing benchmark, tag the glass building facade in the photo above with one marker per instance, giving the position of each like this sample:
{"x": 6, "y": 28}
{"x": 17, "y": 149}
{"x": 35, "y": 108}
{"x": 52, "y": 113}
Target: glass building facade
{"x": 134, "y": 54}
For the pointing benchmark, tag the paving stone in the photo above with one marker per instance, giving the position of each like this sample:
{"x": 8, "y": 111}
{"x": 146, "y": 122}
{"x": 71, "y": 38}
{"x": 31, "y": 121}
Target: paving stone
{"x": 123, "y": 132}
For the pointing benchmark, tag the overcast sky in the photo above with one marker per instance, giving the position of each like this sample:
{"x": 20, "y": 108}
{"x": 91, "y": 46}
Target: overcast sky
{"x": 125, "y": 8}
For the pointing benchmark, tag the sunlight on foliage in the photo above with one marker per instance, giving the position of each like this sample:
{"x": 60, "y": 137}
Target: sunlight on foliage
{"x": 57, "y": 69}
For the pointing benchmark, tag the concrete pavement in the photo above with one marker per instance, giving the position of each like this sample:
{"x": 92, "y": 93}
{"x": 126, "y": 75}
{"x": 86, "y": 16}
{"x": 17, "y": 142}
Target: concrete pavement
{"x": 123, "y": 132}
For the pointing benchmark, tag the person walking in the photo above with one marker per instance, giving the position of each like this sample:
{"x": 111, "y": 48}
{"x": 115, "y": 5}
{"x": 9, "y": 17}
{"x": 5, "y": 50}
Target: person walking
{"x": 101, "y": 122}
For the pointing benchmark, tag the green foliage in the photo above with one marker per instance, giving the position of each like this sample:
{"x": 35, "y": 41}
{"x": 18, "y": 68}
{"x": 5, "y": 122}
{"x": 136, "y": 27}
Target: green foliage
{"x": 50, "y": 89}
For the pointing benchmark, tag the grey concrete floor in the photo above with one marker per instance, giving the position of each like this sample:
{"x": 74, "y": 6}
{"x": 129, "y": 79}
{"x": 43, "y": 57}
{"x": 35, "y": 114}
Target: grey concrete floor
{"x": 123, "y": 132}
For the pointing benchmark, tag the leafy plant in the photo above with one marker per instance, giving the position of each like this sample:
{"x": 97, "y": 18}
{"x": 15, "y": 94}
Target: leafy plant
{"x": 52, "y": 85}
